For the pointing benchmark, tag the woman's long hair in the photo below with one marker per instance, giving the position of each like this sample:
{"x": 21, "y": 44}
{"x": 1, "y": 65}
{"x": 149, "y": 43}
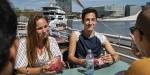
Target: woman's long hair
{"x": 32, "y": 39}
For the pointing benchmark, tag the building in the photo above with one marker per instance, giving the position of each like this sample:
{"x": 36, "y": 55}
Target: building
{"x": 101, "y": 12}
{"x": 115, "y": 11}
{"x": 148, "y": 4}
{"x": 66, "y": 5}
{"x": 132, "y": 10}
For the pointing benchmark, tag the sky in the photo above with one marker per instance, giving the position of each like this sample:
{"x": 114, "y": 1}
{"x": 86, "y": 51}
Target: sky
{"x": 37, "y": 4}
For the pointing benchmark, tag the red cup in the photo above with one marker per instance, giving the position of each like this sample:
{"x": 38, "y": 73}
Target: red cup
{"x": 98, "y": 62}
{"x": 56, "y": 64}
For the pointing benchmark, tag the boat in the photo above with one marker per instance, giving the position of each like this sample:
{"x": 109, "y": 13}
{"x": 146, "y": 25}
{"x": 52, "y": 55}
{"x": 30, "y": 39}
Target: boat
{"x": 54, "y": 13}
{"x": 57, "y": 20}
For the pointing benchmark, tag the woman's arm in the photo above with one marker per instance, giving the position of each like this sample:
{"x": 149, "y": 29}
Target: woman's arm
{"x": 35, "y": 70}
{"x": 72, "y": 50}
{"x": 28, "y": 70}
{"x": 13, "y": 50}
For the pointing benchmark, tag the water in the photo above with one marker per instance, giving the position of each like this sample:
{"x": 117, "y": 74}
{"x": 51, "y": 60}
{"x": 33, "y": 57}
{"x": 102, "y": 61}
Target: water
{"x": 110, "y": 27}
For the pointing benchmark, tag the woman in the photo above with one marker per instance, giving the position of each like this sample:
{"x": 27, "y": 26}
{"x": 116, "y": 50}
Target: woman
{"x": 80, "y": 41}
{"x": 37, "y": 49}
{"x": 140, "y": 34}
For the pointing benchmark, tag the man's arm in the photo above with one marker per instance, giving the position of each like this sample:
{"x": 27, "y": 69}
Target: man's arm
{"x": 72, "y": 50}
{"x": 112, "y": 55}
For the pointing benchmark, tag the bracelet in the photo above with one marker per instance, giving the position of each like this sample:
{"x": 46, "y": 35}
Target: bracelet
{"x": 114, "y": 60}
{"x": 43, "y": 70}
{"x": 27, "y": 71}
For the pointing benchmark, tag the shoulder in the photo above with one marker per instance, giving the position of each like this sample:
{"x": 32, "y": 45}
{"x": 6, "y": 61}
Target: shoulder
{"x": 139, "y": 67}
{"x": 100, "y": 36}
{"x": 75, "y": 34}
{"x": 140, "y": 63}
{"x": 22, "y": 40}
{"x": 51, "y": 38}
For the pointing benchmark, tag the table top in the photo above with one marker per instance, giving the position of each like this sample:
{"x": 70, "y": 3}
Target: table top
{"x": 114, "y": 69}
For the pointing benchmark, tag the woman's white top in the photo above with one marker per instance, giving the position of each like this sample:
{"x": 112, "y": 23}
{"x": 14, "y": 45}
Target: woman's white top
{"x": 21, "y": 58}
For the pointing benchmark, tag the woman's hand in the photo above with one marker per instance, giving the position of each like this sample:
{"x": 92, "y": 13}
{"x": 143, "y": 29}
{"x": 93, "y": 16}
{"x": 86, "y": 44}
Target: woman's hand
{"x": 45, "y": 69}
{"x": 56, "y": 64}
{"x": 63, "y": 64}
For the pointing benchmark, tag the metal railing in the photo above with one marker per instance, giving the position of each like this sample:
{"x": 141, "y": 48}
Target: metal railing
{"x": 121, "y": 43}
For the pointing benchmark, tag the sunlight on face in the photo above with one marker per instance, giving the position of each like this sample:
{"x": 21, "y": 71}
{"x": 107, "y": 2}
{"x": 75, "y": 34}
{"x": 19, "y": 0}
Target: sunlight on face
{"x": 89, "y": 21}
{"x": 136, "y": 39}
{"x": 42, "y": 28}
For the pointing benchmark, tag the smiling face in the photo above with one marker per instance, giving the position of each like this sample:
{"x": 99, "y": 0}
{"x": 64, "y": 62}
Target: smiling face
{"x": 42, "y": 28}
{"x": 89, "y": 21}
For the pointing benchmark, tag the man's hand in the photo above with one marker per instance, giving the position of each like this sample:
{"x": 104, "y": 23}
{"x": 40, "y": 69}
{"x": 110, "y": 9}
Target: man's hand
{"x": 82, "y": 61}
{"x": 107, "y": 58}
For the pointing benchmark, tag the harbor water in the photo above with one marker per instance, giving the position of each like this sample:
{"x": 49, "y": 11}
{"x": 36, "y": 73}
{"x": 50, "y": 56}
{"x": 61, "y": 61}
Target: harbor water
{"x": 110, "y": 27}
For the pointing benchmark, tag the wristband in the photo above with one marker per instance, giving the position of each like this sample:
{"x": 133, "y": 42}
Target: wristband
{"x": 27, "y": 71}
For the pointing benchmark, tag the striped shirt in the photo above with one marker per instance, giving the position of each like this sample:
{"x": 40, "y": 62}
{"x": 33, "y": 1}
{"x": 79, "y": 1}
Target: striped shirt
{"x": 21, "y": 58}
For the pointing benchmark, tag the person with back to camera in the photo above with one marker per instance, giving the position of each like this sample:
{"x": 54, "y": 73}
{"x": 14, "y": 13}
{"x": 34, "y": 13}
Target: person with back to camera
{"x": 8, "y": 27}
{"x": 88, "y": 38}
{"x": 141, "y": 37}
{"x": 37, "y": 49}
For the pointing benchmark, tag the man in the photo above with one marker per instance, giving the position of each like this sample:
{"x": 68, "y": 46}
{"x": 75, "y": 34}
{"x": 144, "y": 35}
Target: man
{"x": 88, "y": 38}
{"x": 8, "y": 26}
{"x": 141, "y": 37}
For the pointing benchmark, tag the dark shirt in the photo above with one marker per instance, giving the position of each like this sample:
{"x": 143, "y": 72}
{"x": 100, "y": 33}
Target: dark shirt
{"x": 84, "y": 43}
